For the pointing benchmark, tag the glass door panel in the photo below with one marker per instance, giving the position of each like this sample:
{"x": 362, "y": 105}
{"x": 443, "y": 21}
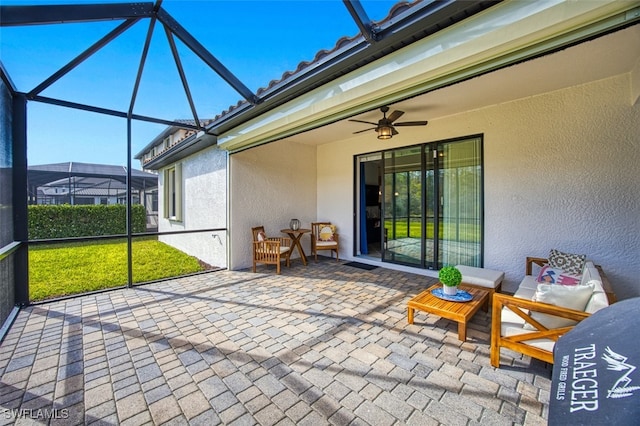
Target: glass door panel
{"x": 402, "y": 207}
{"x": 460, "y": 197}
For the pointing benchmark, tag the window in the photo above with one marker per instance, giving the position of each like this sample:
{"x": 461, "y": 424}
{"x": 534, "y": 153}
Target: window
{"x": 173, "y": 193}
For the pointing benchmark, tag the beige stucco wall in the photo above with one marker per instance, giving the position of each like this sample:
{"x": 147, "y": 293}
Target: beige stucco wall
{"x": 561, "y": 171}
{"x": 269, "y": 185}
{"x": 204, "y": 197}
{"x": 635, "y": 83}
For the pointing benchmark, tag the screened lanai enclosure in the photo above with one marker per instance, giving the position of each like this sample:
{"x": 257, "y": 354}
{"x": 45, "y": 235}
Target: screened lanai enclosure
{"x": 101, "y": 99}
{"x": 262, "y": 117}
{"x": 252, "y": 114}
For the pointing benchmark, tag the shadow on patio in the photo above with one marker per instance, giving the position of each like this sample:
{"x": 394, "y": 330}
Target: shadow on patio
{"x": 326, "y": 343}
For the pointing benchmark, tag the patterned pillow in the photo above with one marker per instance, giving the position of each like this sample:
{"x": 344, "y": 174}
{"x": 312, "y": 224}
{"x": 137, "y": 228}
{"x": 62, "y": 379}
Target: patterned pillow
{"x": 549, "y": 275}
{"x": 570, "y": 263}
{"x": 262, "y": 236}
{"x": 326, "y": 232}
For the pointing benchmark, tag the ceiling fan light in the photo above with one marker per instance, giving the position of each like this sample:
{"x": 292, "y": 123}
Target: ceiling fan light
{"x": 384, "y": 132}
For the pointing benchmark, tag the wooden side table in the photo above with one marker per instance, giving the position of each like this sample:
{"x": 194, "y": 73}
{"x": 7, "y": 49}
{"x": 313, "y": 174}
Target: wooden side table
{"x": 456, "y": 311}
{"x": 295, "y": 236}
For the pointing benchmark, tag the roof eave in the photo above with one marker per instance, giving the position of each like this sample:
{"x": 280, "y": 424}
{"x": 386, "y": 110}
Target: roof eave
{"x": 161, "y": 136}
{"x": 187, "y": 147}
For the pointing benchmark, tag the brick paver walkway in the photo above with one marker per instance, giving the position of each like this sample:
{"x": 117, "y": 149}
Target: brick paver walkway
{"x": 322, "y": 344}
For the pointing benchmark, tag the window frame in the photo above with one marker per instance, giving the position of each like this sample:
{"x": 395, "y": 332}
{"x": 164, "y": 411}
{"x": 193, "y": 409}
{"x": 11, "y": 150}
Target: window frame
{"x": 172, "y": 191}
{"x": 428, "y": 150}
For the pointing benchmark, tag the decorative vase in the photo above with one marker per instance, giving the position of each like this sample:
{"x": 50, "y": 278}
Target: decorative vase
{"x": 294, "y": 224}
{"x": 450, "y": 290}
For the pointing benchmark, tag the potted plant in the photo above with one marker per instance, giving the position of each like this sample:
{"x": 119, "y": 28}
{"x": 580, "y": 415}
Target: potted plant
{"x": 450, "y": 277}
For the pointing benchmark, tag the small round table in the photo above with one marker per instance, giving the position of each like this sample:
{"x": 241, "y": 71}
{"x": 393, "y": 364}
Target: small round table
{"x": 296, "y": 235}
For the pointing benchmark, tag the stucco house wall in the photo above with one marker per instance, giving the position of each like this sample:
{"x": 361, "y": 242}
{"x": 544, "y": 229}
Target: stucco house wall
{"x": 269, "y": 185}
{"x": 204, "y": 199}
{"x": 560, "y": 172}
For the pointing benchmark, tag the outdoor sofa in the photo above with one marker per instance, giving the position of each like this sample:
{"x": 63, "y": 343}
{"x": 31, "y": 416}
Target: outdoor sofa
{"x": 532, "y": 327}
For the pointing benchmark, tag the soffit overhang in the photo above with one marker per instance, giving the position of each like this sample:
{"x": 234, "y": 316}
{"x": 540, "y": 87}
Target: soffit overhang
{"x": 502, "y": 35}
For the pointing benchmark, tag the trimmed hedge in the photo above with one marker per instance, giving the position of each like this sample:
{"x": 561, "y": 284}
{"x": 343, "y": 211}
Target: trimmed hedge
{"x": 64, "y": 221}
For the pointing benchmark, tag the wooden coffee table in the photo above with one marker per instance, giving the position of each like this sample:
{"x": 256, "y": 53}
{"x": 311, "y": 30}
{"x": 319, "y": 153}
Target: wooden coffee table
{"x": 456, "y": 311}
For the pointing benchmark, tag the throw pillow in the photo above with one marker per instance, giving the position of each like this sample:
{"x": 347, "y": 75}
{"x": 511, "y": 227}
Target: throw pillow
{"x": 326, "y": 232}
{"x": 572, "y": 297}
{"x": 549, "y": 275}
{"x": 262, "y": 236}
{"x": 570, "y": 263}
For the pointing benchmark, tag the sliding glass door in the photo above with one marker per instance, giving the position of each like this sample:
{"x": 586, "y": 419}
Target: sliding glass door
{"x": 431, "y": 205}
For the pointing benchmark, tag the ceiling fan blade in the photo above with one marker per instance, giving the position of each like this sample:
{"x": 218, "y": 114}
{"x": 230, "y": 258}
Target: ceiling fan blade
{"x": 411, "y": 123}
{"x": 394, "y": 116}
{"x": 366, "y": 122}
{"x": 365, "y": 130}
{"x": 394, "y": 131}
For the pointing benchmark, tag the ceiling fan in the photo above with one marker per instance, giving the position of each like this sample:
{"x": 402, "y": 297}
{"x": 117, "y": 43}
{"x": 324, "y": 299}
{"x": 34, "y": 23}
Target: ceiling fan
{"x": 386, "y": 126}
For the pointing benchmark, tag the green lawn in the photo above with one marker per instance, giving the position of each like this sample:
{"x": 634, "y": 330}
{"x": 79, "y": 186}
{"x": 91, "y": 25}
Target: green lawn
{"x": 467, "y": 233}
{"x": 73, "y": 268}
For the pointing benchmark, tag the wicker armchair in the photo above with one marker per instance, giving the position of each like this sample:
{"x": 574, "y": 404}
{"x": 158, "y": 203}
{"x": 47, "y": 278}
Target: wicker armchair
{"x": 270, "y": 251}
{"x": 324, "y": 240}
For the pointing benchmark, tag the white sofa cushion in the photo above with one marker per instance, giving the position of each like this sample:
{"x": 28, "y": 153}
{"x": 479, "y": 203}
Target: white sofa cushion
{"x": 599, "y": 298}
{"x": 512, "y": 325}
{"x": 573, "y": 297}
{"x": 590, "y": 272}
{"x": 527, "y": 287}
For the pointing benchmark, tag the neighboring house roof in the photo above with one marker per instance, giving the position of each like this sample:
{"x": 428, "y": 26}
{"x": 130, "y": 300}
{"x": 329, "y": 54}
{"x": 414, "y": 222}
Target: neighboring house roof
{"x": 43, "y": 174}
{"x": 406, "y": 23}
{"x": 169, "y": 131}
{"x": 82, "y": 192}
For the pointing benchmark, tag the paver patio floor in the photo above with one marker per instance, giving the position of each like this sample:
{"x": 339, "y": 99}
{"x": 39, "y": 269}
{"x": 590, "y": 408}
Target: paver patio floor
{"x": 322, "y": 344}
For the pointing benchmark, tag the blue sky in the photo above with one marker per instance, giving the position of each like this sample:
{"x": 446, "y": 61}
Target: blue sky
{"x": 256, "y": 40}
